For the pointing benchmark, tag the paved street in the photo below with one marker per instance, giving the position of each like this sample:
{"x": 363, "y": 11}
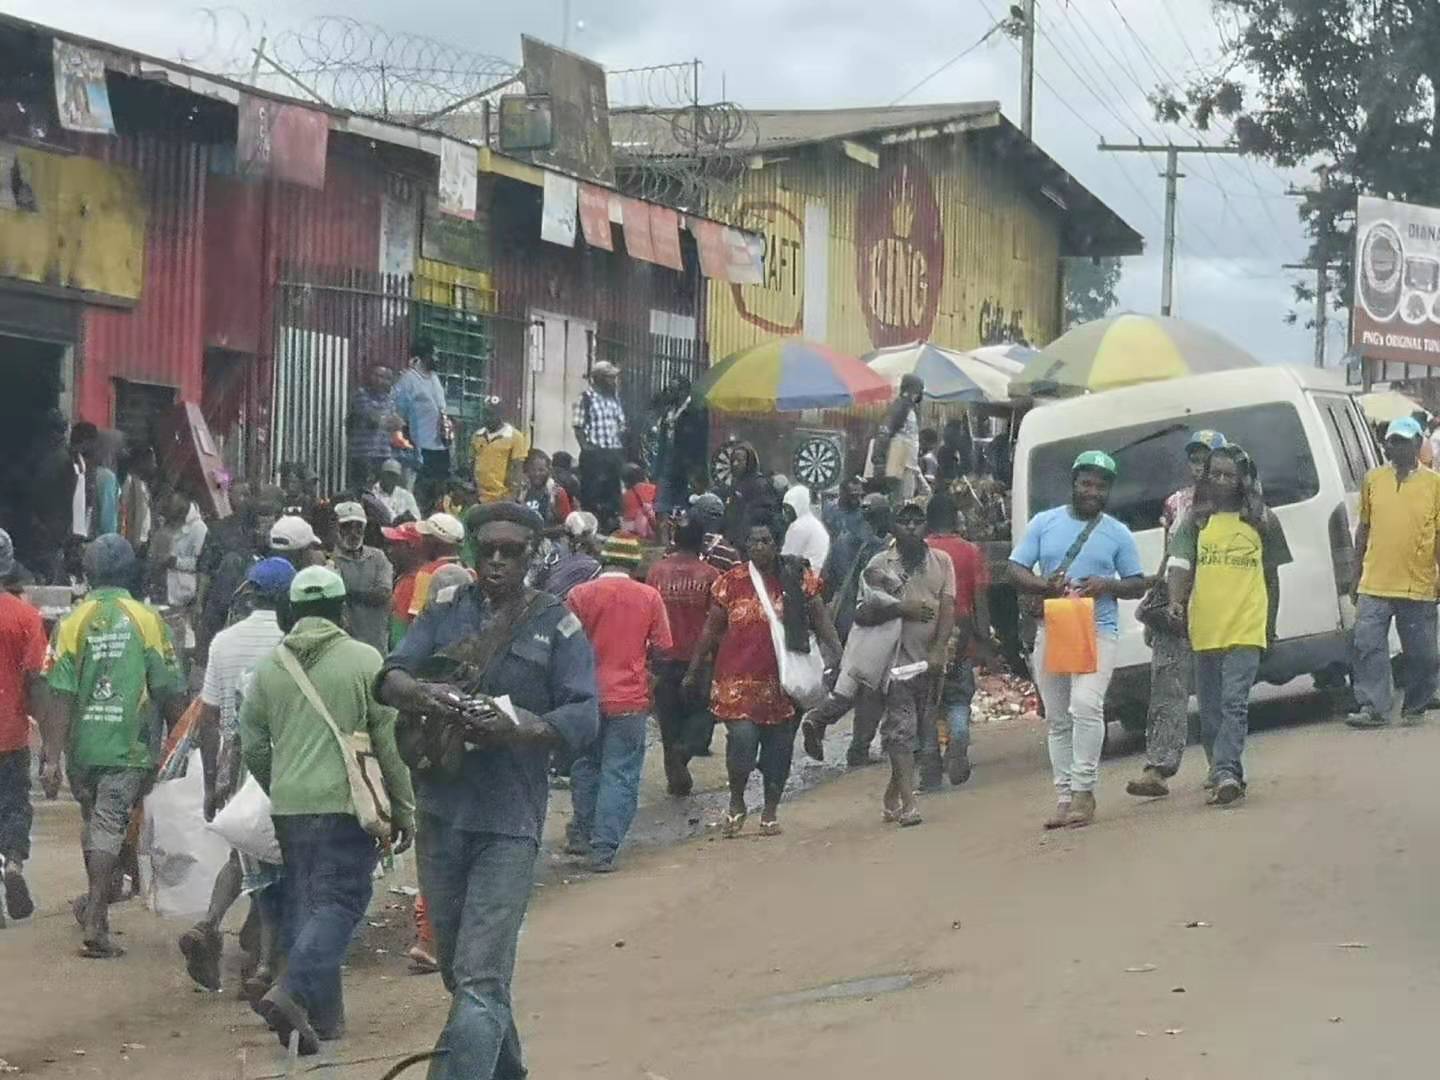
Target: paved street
{"x": 994, "y": 948}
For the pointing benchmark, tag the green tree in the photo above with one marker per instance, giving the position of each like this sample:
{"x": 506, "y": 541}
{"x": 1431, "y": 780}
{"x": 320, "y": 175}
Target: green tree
{"x": 1090, "y": 286}
{"x": 1350, "y": 87}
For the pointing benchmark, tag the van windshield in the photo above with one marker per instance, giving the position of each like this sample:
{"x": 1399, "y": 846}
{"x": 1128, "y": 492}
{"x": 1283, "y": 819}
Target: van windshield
{"x": 1151, "y": 460}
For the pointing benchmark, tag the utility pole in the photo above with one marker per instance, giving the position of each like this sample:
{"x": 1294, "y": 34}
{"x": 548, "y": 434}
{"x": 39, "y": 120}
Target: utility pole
{"x": 1027, "y": 71}
{"x": 1172, "y": 175}
{"x": 1321, "y": 265}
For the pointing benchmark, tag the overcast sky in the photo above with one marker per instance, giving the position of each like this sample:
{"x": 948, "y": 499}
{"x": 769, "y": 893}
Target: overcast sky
{"x": 1236, "y": 226}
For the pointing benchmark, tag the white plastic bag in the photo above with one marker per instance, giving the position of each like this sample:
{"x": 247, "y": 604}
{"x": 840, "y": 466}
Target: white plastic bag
{"x": 246, "y": 825}
{"x": 179, "y": 855}
{"x": 802, "y": 675}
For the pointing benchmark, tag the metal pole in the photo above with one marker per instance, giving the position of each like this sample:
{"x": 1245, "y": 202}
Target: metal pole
{"x": 1167, "y": 282}
{"x": 1322, "y": 274}
{"x": 1027, "y": 71}
{"x": 565, "y": 30}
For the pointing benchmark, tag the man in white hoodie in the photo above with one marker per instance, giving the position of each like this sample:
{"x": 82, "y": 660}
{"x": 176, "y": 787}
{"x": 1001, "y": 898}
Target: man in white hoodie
{"x": 807, "y": 536}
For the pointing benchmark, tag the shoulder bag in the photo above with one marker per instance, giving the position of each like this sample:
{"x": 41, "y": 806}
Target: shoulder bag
{"x": 802, "y": 675}
{"x": 362, "y": 767}
{"x": 1033, "y": 604}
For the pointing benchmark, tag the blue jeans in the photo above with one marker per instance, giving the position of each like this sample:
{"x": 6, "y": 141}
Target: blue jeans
{"x": 956, "y": 696}
{"x": 477, "y": 886}
{"x": 1415, "y": 622}
{"x": 329, "y": 861}
{"x": 605, "y": 783}
{"x": 1223, "y": 678}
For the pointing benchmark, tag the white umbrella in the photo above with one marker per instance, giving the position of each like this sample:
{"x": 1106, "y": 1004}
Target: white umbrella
{"x": 949, "y": 374}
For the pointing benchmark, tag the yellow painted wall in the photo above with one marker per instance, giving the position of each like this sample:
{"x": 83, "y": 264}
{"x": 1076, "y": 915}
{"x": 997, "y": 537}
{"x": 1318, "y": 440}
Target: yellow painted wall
{"x": 71, "y": 221}
{"x": 1000, "y": 261}
{"x": 453, "y": 286}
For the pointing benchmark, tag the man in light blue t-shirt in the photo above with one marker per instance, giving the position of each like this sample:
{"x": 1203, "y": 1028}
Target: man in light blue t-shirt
{"x": 1079, "y": 550}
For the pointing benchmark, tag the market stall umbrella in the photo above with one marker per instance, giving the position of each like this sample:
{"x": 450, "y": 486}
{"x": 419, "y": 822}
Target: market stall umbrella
{"x": 1127, "y": 349}
{"x": 1382, "y": 406}
{"x": 788, "y": 375}
{"x": 951, "y": 375}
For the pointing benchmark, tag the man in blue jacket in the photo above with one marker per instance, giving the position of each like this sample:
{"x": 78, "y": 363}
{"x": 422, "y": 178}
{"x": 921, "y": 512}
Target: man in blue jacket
{"x": 491, "y": 677}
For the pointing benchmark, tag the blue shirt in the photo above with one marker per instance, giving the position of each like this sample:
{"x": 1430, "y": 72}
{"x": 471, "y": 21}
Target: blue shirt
{"x": 1109, "y": 552}
{"x": 420, "y": 401}
{"x": 549, "y": 670}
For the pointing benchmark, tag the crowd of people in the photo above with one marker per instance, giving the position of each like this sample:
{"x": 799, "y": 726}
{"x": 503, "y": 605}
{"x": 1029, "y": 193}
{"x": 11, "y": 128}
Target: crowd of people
{"x": 397, "y": 665}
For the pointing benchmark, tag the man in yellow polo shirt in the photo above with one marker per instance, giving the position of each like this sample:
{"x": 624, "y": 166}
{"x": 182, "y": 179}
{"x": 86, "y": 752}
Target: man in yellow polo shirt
{"x": 498, "y": 451}
{"x": 1396, "y": 552}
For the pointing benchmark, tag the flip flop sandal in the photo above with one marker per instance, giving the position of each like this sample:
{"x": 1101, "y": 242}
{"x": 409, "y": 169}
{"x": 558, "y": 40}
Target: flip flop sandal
{"x": 732, "y": 825}
{"x": 889, "y": 816}
{"x": 813, "y": 739}
{"x": 906, "y": 820}
{"x": 770, "y": 828}
{"x": 79, "y": 907}
{"x": 101, "y": 950}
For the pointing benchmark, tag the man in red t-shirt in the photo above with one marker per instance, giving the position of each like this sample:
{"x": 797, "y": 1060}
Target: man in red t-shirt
{"x": 972, "y": 631}
{"x": 624, "y": 619}
{"x": 22, "y": 656}
{"x": 683, "y": 580}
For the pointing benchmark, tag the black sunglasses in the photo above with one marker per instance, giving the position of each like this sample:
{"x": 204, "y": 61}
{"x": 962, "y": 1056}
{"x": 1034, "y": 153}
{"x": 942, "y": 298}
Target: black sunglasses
{"x": 506, "y": 549}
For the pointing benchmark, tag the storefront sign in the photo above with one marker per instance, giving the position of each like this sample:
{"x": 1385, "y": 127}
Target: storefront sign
{"x": 1397, "y": 282}
{"x": 459, "y": 172}
{"x": 282, "y": 142}
{"x": 82, "y": 100}
{"x": 773, "y": 300}
{"x": 900, "y": 252}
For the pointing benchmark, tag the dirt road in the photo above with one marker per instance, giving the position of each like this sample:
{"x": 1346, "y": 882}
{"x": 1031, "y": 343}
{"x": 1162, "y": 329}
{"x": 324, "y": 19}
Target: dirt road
{"x": 995, "y": 950}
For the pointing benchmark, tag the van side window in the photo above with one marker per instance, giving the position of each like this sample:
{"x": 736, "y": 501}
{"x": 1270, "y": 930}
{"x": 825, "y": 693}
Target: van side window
{"x": 1151, "y": 459}
{"x": 1339, "y": 424}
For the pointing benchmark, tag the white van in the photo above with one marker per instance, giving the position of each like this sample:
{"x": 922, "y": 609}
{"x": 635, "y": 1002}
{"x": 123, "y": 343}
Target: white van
{"x": 1313, "y": 447}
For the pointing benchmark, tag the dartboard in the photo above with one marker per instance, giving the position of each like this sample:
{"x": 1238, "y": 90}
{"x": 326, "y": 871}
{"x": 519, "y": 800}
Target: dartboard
{"x": 720, "y": 466}
{"x": 816, "y": 463}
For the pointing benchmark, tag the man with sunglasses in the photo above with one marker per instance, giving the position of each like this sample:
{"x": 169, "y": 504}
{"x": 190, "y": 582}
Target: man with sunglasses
{"x": 515, "y": 674}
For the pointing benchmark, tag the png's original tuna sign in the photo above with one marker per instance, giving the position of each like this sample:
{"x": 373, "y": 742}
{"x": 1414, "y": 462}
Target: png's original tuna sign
{"x": 900, "y": 251}
{"x": 1397, "y": 282}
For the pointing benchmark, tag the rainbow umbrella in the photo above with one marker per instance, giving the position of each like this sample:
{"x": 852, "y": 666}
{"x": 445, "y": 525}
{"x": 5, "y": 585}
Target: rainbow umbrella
{"x": 1128, "y": 349}
{"x": 788, "y": 375}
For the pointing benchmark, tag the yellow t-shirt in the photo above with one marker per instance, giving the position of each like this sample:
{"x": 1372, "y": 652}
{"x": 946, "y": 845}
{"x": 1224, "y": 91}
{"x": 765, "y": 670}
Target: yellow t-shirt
{"x": 1403, "y": 518}
{"x": 1229, "y": 603}
{"x": 492, "y": 455}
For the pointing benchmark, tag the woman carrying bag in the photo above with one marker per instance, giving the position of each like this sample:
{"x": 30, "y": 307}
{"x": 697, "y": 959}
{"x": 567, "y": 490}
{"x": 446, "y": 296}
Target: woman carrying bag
{"x": 748, "y": 690}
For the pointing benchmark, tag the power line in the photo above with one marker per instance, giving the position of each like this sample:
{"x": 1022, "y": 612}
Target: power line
{"x": 950, "y": 63}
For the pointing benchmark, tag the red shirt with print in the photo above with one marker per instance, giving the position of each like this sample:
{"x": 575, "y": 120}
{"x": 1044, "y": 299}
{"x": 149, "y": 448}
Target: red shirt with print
{"x": 683, "y": 582}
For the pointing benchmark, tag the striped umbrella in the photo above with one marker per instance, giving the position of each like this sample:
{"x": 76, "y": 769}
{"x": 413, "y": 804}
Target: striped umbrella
{"x": 1128, "y": 349}
{"x": 950, "y": 375}
{"x": 788, "y": 375}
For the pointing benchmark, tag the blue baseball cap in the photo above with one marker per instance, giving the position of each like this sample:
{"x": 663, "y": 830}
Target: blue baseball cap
{"x": 1206, "y": 439}
{"x": 1406, "y": 427}
{"x": 272, "y": 576}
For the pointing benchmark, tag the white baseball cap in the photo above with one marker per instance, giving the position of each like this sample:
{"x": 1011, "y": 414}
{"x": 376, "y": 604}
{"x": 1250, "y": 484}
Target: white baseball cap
{"x": 350, "y": 513}
{"x": 292, "y": 534}
{"x": 444, "y": 527}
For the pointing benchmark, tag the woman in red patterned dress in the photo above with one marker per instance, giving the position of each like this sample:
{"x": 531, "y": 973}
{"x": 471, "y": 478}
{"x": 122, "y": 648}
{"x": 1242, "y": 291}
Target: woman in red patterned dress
{"x": 745, "y": 691}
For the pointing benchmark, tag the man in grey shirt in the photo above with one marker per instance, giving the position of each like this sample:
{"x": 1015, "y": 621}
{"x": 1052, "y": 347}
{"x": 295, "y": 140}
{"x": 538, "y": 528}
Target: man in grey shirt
{"x": 368, "y": 576}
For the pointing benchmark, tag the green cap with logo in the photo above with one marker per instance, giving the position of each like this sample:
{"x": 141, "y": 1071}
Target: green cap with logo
{"x": 316, "y": 583}
{"x": 1095, "y": 459}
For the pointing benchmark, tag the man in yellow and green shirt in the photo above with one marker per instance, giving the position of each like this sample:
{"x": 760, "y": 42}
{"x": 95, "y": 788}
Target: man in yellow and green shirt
{"x": 114, "y": 680}
{"x": 1225, "y": 561}
{"x": 1396, "y": 554}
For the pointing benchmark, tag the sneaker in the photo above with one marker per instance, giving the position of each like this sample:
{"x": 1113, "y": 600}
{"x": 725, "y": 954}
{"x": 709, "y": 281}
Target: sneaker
{"x": 602, "y": 864}
{"x": 957, "y": 763}
{"x": 18, "y": 902}
{"x": 1082, "y": 810}
{"x": 1365, "y": 719}
{"x": 1061, "y": 817}
{"x": 575, "y": 844}
{"x": 1229, "y": 791}
{"x": 1412, "y": 719}
{"x": 1150, "y": 785}
{"x": 286, "y": 1015}
{"x": 201, "y": 947}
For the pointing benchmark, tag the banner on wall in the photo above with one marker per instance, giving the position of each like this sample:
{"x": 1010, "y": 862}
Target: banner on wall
{"x": 710, "y": 246}
{"x": 745, "y": 257}
{"x": 82, "y": 99}
{"x": 595, "y": 216}
{"x": 459, "y": 179}
{"x": 281, "y": 142}
{"x": 557, "y": 214}
{"x": 635, "y": 221}
{"x": 665, "y": 237}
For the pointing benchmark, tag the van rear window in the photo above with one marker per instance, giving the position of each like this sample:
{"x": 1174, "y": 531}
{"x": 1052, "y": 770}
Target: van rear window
{"x": 1151, "y": 460}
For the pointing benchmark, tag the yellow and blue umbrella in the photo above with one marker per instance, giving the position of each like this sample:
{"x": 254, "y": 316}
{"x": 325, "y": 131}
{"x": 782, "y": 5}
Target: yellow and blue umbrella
{"x": 1127, "y": 349}
{"x": 951, "y": 375}
{"x": 788, "y": 375}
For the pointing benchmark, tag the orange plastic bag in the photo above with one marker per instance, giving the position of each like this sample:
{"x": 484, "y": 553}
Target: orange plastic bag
{"x": 1070, "y": 645}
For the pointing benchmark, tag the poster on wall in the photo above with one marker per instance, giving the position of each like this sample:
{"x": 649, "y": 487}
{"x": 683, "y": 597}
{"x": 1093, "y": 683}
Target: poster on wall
{"x": 459, "y": 179}
{"x": 665, "y": 237}
{"x": 710, "y": 246}
{"x": 82, "y": 100}
{"x": 745, "y": 255}
{"x": 595, "y": 216}
{"x": 281, "y": 142}
{"x": 557, "y": 215}
{"x": 1397, "y": 282}
{"x": 635, "y": 222}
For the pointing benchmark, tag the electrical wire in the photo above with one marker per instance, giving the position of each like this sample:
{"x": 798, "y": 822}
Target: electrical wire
{"x": 951, "y": 62}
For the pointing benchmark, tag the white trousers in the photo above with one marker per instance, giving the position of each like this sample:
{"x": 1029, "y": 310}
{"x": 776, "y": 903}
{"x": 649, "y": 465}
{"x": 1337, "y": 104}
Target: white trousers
{"x": 1075, "y": 708}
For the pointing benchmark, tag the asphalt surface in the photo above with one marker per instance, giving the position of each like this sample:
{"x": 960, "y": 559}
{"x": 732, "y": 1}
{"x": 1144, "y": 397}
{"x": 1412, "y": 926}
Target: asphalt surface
{"x": 1292, "y": 936}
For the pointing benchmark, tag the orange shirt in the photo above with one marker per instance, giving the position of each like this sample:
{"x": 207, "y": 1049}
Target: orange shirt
{"x": 624, "y": 619}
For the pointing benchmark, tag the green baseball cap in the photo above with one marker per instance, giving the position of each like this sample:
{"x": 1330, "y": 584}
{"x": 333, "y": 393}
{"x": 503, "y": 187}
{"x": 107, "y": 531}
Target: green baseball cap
{"x": 1095, "y": 459}
{"x": 316, "y": 583}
